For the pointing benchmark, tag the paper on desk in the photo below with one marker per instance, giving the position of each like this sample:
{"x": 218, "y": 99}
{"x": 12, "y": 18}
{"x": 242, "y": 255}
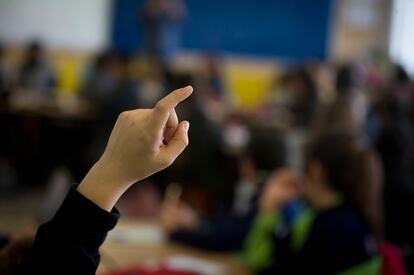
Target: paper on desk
{"x": 142, "y": 234}
{"x": 196, "y": 265}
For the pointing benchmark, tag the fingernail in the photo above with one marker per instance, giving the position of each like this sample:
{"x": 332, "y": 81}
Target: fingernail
{"x": 188, "y": 88}
{"x": 186, "y": 125}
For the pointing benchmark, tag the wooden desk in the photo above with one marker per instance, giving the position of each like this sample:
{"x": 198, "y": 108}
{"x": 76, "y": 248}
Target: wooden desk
{"x": 116, "y": 255}
{"x": 59, "y": 107}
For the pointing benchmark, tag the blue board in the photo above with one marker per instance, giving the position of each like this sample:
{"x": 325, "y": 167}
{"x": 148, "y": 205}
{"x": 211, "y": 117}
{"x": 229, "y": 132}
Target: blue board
{"x": 294, "y": 29}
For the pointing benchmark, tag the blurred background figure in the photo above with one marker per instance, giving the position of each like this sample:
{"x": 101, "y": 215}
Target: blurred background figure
{"x": 7, "y": 74}
{"x": 344, "y": 201}
{"x": 264, "y": 151}
{"x": 211, "y": 77}
{"x": 302, "y": 97}
{"x": 402, "y": 86}
{"x": 162, "y": 20}
{"x": 109, "y": 87}
{"x": 152, "y": 84}
{"x": 35, "y": 72}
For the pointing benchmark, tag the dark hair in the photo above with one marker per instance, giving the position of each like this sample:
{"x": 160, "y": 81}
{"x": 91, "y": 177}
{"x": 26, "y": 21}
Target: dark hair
{"x": 35, "y": 46}
{"x": 266, "y": 149}
{"x": 335, "y": 116}
{"x": 302, "y": 75}
{"x": 344, "y": 81}
{"x": 400, "y": 73}
{"x": 351, "y": 170}
{"x": 32, "y": 55}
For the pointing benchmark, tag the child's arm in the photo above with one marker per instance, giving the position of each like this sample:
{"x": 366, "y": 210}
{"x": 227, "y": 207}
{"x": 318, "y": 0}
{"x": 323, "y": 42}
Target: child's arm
{"x": 259, "y": 245}
{"x": 142, "y": 143}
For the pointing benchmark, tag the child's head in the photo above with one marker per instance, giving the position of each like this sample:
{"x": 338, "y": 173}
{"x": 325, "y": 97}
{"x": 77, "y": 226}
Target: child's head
{"x": 338, "y": 167}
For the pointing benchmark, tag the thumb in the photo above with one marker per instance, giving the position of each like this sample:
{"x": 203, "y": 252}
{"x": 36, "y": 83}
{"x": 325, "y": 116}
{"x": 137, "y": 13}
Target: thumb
{"x": 178, "y": 142}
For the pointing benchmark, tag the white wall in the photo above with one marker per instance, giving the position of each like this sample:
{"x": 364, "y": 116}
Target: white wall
{"x": 64, "y": 24}
{"x": 359, "y": 27}
{"x": 402, "y": 33}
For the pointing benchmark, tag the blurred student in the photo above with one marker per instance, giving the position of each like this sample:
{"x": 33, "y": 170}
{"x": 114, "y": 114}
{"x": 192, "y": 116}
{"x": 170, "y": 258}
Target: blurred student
{"x": 7, "y": 75}
{"x": 395, "y": 146}
{"x": 110, "y": 89}
{"x": 302, "y": 98}
{"x": 142, "y": 143}
{"x": 211, "y": 78}
{"x": 341, "y": 227}
{"x": 126, "y": 89}
{"x": 224, "y": 232}
{"x": 3, "y": 89}
{"x": 109, "y": 86}
{"x": 99, "y": 83}
{"x": 152, "y": 84}
{"x": 350, "y": 91}
{"x": 403, "y": 87}
{"x": 36, "y": 74}
{"x": 337, "y": 116}
{"x": 162, "y": 21}
{"x": 227, "y": 230}
{"x": 345, "y": 79}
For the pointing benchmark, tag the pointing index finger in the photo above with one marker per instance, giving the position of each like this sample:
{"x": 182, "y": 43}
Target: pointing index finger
{"x": 167, "y": 104}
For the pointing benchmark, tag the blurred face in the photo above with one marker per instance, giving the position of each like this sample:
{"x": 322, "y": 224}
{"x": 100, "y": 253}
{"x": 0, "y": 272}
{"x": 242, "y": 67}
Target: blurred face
{"x": 35, "y": 53}
{"x": 120, "y": 69}
{"x": 296, "y": 86}
{"x": 247, "y": 169}
{"x": 313, "y": 181}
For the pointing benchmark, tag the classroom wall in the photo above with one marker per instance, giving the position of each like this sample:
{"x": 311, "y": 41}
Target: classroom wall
{"x": 71, "y": 24}
{"x": 359, "y": 27}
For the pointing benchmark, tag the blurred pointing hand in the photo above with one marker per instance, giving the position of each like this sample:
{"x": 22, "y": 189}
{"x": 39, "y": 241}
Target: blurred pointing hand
{"x": 142, "y": 143}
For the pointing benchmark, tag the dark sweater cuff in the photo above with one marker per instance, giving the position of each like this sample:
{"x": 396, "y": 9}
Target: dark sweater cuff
{"x": 78, "y": 212}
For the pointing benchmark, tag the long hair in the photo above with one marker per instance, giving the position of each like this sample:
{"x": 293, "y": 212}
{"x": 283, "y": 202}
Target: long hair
{"x": 352, "y": 170}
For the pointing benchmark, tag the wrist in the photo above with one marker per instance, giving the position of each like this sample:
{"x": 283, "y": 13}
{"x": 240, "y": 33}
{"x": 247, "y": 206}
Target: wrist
{"x": 102, "y": 186}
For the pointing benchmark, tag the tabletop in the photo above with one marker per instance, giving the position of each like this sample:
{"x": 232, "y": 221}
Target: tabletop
{"x": 149, "y": 246}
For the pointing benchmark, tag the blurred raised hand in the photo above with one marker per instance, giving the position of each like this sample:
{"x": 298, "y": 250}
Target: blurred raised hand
{"x": 282, "y": 187}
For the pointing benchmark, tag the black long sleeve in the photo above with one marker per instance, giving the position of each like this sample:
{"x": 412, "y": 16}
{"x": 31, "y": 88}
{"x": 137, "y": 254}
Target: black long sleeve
{"x": 69, "y": 243}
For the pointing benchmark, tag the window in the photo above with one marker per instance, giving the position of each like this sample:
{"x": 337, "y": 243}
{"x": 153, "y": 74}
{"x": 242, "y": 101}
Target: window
{"x": 402, "y": 34}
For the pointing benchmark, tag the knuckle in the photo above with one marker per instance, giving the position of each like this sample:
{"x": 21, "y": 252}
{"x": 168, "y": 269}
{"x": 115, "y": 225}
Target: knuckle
{"x": 160, "y": 107}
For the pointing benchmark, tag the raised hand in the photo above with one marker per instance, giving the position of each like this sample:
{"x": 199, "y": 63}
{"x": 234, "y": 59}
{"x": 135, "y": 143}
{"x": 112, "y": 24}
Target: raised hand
{"x": 142, "y": 142}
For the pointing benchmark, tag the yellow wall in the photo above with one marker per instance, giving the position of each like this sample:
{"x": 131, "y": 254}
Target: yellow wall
{"x": 247, "y": 80}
